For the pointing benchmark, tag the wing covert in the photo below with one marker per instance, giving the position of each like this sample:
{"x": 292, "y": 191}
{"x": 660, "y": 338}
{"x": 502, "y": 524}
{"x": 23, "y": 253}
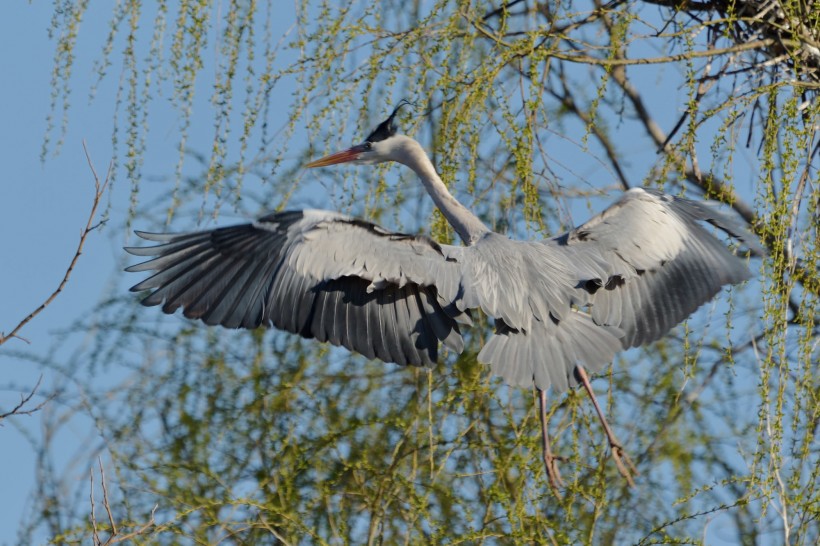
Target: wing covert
{"x": 662, "y": 263}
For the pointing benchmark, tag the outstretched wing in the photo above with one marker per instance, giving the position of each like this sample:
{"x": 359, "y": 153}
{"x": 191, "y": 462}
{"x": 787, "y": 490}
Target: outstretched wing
{"x": 318, "y": 274}
{"x": 624, "y": 278}
{"x": 662, "y": 263}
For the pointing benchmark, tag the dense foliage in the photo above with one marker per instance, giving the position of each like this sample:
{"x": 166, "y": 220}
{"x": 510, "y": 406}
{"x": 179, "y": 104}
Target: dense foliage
{"x": 532, "y": 112}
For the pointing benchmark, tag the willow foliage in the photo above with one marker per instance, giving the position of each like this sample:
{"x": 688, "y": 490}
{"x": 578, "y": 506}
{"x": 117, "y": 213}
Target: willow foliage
{"x": 531, "y": 111}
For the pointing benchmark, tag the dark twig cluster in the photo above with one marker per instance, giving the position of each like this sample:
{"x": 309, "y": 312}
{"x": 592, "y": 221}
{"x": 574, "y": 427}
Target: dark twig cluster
{"x": 792, "y": 29}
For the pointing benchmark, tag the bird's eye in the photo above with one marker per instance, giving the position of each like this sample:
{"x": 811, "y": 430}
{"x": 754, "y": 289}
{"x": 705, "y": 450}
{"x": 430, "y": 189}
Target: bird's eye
{"x": 368, "y": 146}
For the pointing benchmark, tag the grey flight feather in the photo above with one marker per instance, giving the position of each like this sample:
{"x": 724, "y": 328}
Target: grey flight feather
{"x": 314, "y": 273}
{"x": 622, "y": 279}
{"x": 662, "y": 263}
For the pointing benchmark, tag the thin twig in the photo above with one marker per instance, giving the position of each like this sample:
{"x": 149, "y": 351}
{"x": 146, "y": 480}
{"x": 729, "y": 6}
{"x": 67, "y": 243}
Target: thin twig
{"x": 114, "y": 537}
{"x": 611, "y": 62}
{"x": 137, "y": 532}
{"x": 96, "y": 535}
{"x": 105, "y": 500}
{"x": 796, "y": 202}
{"x": 18, "y": 409}
{"x": 89, "y": 227}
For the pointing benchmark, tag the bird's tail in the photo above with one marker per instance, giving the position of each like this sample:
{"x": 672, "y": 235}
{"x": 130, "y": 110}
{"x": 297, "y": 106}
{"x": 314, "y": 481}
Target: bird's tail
{"x": 548, "y": 354}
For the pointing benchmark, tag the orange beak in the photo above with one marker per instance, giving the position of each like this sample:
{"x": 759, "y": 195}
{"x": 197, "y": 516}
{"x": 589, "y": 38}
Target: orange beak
{"x": 345, "y": 156}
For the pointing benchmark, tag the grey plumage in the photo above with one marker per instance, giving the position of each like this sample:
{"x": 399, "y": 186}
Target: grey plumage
{"x": 312, "y": 273}
{"x": 639, "y": 268}
{"x": 622, "y": 279}
{"x": 662, "y": 263}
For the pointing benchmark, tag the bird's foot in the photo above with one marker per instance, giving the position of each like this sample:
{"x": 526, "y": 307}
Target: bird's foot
{"x": 622, "y": 460}
{"x": 550, "y": 460}
{"x": 624, "y": 463}
{"x": 553, "y": 474}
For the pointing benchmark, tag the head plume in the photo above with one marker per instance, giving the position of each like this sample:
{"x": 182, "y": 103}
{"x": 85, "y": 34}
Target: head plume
{"x": 388, "y": 127}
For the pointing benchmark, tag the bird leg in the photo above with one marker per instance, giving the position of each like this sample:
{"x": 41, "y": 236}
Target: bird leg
{"x": 553, "y": 475}
{"x": 622, "y": 460}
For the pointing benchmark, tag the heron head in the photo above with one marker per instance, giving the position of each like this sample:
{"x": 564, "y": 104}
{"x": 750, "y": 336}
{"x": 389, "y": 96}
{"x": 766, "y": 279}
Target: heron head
{"x": 378, "y": 147}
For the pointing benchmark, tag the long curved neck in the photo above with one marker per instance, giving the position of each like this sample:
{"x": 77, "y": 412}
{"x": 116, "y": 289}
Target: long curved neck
{"x": 467, "y": 225}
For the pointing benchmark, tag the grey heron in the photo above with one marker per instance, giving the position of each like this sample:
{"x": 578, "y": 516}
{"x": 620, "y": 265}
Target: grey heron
{"x": 561, "y": 306}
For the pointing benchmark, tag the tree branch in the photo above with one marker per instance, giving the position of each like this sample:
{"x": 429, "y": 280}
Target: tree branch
{"x": 115, "y": 536}
{"x": 24, "y": 399}
{"x": 89, "y": 227}
{"x": 622, "y": 61}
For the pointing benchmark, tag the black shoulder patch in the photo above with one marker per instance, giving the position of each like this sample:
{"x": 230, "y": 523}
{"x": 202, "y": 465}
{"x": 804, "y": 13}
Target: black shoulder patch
{"x": 285, "y": 217}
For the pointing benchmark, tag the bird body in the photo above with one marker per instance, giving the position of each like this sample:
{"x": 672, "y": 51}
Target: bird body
{"x": 560, "y": 305}
{"x": 573, "y": 299}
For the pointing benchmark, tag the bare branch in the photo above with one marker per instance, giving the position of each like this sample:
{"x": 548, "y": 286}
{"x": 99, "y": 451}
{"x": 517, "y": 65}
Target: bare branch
{"x": 89, "y": 227}
{"x": 95, "y": 534}
{"x": 18, "y": 409}
{"x": 115, "y": 536}
{"x": 106, "y": 503}
{"x": 622, "y": 61}
{"x": 789, "y": 27}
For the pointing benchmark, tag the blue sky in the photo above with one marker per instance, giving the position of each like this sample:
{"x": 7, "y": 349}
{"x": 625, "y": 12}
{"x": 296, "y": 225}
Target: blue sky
{"x": 42, "y": 212}
{"x": 43, "y": 208}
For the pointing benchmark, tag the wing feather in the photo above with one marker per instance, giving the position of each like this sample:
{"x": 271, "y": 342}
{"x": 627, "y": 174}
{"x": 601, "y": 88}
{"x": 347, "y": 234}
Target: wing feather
{"x": 548, "y": 354}
{"x": 665, "y": 263}
{"x": 622, "y": 279}
{"x": 315, "y": 273}
{"x": 387, "y": 311}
